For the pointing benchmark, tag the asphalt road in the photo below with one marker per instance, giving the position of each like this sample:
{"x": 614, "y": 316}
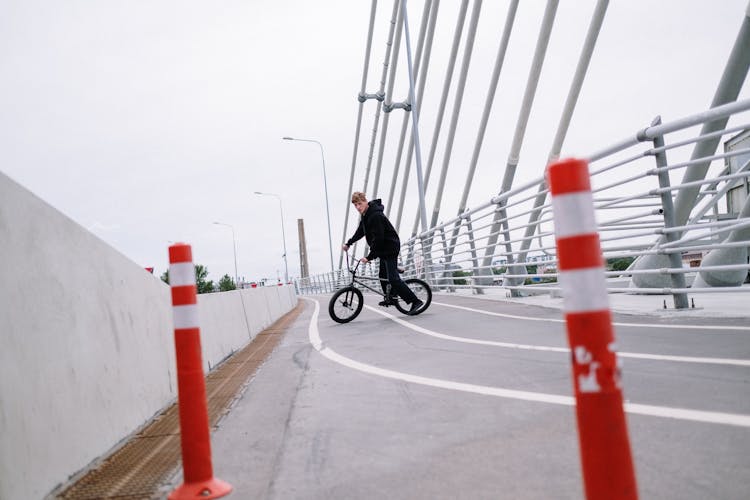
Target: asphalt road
{"x": 473, "y": 399}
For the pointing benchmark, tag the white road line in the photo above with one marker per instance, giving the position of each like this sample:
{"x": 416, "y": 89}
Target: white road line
{"x": 465, "y": 340}
{"x": 636, "y": 409}
{"x": 635, "y": 355}
{"x": 642, "y": 325}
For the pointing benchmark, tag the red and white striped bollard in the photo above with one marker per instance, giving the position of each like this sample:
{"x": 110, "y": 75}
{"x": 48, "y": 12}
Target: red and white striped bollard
{"x": 602, "y": 430}
{"x": 198, "y": 478}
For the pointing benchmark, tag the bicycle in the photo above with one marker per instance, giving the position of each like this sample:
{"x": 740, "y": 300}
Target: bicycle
{"x": 347, "y": 302}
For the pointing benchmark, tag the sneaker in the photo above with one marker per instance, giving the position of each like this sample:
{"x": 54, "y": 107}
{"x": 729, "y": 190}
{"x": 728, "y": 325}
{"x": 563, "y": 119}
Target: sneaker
{"x": 415, "y": 307}
{"x": 387, "y": 302}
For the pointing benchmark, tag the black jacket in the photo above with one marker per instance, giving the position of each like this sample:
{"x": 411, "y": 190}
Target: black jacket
{"x": 378, "y": 231}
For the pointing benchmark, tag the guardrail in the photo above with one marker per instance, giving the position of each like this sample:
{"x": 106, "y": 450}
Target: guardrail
{"x": 657, "y": 236}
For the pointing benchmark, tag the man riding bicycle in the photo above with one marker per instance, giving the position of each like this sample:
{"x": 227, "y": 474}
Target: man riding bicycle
{"x": 384, "y": 244}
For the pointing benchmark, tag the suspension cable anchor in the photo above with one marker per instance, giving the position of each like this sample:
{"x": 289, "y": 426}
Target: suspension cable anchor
{"x": 387, "y": 108}
{"x": 378, "y": 96}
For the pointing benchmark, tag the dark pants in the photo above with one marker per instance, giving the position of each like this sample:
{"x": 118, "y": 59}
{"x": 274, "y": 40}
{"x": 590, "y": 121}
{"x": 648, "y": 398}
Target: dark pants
{"x": 389, "y": 271}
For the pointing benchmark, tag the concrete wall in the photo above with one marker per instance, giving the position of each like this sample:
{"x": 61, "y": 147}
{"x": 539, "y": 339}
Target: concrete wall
{"x": 86, "y": 343}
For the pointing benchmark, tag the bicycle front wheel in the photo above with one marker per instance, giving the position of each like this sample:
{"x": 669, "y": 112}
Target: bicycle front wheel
{"x": 421, "y": 290}
{"x": 345, "y": 305}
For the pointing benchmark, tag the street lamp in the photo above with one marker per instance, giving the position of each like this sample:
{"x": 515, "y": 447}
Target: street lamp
{"x": 234, "y": 245}
{"x": 325, "y": 185}
{"x": 283, "y": 234}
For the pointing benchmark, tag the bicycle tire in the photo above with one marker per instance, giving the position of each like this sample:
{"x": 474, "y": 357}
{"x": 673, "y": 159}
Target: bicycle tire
{"x": 345, "y": 305}
{"x": 423, "y": 292}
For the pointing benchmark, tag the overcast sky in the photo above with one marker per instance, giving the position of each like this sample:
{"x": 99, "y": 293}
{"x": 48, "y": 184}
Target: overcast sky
{"x": 146, "y": 121}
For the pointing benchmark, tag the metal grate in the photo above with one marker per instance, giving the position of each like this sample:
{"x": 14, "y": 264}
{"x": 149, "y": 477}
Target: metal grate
{"x": 140, "y": 468}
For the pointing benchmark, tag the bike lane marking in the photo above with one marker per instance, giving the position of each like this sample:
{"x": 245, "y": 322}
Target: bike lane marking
{"x": 633, "y": 355}
{"x": 636, "y": 409}
{"x": 640, "y": 325}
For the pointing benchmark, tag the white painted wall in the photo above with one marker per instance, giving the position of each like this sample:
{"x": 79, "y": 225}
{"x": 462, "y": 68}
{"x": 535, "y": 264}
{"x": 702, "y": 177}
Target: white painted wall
{"x": 86, "y": 343}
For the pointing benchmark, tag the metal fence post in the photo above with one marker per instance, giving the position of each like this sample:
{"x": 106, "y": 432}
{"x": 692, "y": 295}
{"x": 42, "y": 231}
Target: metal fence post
{"x": 473, "y": 247}
{"x": 675, "y": 260}
{"x": 427, "y": 267}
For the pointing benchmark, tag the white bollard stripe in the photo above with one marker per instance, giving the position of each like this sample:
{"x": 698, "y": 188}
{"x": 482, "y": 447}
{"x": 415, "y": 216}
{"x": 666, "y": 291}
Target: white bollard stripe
{"x": 185, "y": 316}
{"x": 573, "y": 214}
{"x": 181, "y": 274}
{"x": 584, "y": 290}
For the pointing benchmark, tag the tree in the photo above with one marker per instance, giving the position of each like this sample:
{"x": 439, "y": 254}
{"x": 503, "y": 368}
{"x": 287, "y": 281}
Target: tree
{"x": 226, "y": 283}
{"x": 620, "y": 264}
{"x": 458, "y": 277}
{"x": 201, "y": 284}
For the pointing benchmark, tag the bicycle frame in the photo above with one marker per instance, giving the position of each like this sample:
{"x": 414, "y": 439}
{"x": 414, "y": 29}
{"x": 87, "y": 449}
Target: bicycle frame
{"x": 358, "y": 279}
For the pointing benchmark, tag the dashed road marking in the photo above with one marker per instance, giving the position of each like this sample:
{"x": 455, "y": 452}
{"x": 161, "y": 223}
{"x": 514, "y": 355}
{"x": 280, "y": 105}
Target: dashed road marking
{"x": 509, "y": 345}
{"x": 639, "y": 325}
{"x": 636, "y": 409}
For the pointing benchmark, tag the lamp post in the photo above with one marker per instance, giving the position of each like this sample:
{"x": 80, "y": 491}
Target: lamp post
{"x": 283, "y": 234}
{"x": 234, "y": 245}
{"x": 325, "y": 186}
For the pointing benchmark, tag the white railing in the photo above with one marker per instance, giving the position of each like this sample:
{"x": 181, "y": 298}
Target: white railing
{"x": 643, "y": 221}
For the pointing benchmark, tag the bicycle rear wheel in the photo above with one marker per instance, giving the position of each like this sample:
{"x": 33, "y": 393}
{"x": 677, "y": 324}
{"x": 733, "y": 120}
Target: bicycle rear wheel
{"x": 345, "y": 305}
{"x": 423, "y": 292}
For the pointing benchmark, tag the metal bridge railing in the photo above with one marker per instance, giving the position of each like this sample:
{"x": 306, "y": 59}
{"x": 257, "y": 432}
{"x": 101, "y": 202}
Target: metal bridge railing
{"x": 648, "y": 238}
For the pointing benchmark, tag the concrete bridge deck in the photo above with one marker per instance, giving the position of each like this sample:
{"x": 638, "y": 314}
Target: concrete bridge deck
{"x": 464, "y": 401}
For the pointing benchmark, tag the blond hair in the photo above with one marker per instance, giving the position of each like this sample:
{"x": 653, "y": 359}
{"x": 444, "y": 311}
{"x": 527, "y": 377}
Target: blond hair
{"x": 358, "y": 196}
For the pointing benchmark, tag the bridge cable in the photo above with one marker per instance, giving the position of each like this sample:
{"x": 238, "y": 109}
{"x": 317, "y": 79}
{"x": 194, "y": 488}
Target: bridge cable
{"x": 422, "y": 63}
{"x": 379, "y": 96}
{"x": 458, "y": 101}
{"x": 441, "y": 110}
{"x": 387, "y": 105}
{"x": 395, "y": 17}
{"x": 499, "y": 60}
{"x": 523, "y": 118}
{"x": 362, "y": 100}
{"x": 562, "y": 129}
